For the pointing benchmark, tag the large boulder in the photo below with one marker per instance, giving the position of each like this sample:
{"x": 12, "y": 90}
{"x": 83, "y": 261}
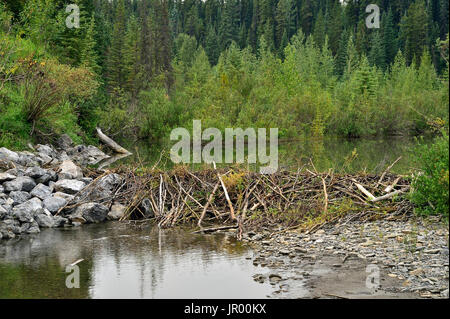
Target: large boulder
{"x": 68, "y": 170}
{"x": 19, "y": 197}
{"x": 35, "y": 172}
{"x": 94, "y": 152}
{"x": 101, "y": 190}
{"x": 45, "y": 150}
{"x": 41, "y": 191}
{"x": 43, "y": 159}
{"x": 46, "y": 220}
{"x": 54, "y": 203}
{"x": 8, "y": 156}
{"x": 49, "y": 176}
{"x": 30, "y": 228}
{"x": 86, "y": 154}
{"x": 25, "y": 212}
{"x": 27, "y": 159}
{"x": 21, "y": 183}
{"x": 89, "y": 213}
{"x": 6, "y": 177}
{"x": 17, "y": 171}
{"x": 69, "y": 186}
{"x": 9, "y": 228}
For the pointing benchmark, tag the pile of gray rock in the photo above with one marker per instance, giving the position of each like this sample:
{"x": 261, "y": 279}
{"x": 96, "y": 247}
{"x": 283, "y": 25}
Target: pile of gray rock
{"x": 47, "y": 188}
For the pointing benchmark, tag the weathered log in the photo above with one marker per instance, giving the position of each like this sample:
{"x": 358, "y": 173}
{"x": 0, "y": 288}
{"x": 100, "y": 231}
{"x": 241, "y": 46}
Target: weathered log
{"x": 110, "y": 160}
{"x": 377, "y": 199}
{"x": 110, "y": 143}
{"x": 365, "y": 191}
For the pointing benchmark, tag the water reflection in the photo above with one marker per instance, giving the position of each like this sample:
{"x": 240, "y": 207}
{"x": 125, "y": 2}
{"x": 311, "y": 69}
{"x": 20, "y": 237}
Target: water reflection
{"x": 372, "y": 155}
{"x": 123, "y": 261}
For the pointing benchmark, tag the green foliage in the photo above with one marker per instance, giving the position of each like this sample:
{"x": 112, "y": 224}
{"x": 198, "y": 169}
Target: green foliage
{"x": 306, "y": 67}
{"x": 430, "y": 187}
{"x": 159, "y": 114}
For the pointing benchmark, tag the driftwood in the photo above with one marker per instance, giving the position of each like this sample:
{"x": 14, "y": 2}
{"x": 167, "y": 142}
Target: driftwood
{"x": 364, "y": 191}
{"x": 391, "y": 187}
{"x": 110, "y": 143}
{"x": 110, "y": 160}
{"x": 211, "y": 230}
{"x": 233, "y": 217}
{"x": 389, "y": 195}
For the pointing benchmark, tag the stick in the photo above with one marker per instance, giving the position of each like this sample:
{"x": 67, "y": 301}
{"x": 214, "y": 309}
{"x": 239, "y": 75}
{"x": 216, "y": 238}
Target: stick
{"x": 391, "y": 187}
{"x": 389, "y": 195}
{"x": 76, "y": 262}
{"x": 387, "y": 170}
{"x": 211, "y": 196}
{"x": 325, "y": 208}
{"x": 110, "y": 143}
{"x": 210, "y": 230}
{"x": 365, "y": 191}
{"x": 226, "y": 194}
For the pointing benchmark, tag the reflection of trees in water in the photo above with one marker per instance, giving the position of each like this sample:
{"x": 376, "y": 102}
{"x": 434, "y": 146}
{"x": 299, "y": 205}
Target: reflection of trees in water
{"x": 373, "y": 154}
{"x": 153, "y": 251}
{"x": 35, "y": 265}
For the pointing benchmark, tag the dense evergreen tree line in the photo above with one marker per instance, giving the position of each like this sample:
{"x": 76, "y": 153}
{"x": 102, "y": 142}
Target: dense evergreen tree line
{"x": 159, "y": 63}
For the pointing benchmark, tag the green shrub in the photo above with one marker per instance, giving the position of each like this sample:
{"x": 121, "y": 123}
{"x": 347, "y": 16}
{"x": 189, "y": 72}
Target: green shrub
{"x": 430, "y": 187}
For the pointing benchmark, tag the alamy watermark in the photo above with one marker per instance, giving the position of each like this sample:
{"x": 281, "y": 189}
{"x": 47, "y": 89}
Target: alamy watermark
{"x": 73, "y": 279}
{"x": 373, "y": 277}
{"x": 373, "y": 19}
{"x": 256, "y": 142}
{"x": 73, "y": 19}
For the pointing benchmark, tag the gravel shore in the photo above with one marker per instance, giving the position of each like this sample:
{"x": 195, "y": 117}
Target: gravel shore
{"x": 387, "y": 259}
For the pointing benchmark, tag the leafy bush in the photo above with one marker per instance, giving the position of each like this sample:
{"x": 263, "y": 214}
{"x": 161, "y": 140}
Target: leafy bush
{"x": 430, "y": 187}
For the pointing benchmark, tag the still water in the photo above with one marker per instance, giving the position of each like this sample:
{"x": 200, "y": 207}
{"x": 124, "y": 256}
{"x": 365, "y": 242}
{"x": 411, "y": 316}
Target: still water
{"x": 343, "y": 155}
{"x": 127, "y": 261}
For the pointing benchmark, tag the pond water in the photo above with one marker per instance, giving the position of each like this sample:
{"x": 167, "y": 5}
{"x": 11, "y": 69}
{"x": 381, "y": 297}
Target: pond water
{"x": 126, "y": 261}
{"x": 343, "y": 155}
{"x": 122, "y": 260}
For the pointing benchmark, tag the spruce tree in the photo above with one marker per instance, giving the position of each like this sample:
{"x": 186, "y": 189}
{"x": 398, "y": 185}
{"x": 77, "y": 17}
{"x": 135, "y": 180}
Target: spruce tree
{"x": 116, "y": 70}
{"x": 389, "y": 37}
{"x": 88, "y": 55}
{"x": 414, "y": 27}
{"x": 319, "y": 30}
{"x": 377, "y": 53}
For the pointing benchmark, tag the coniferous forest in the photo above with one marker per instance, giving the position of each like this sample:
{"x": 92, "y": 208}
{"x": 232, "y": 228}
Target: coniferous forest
{"x": 139, "y": 68}
{"x": 349, "y": 201}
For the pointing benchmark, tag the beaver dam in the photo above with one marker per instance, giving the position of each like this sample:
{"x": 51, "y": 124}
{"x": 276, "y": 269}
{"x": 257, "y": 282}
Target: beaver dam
{"x": 218, "y": 199}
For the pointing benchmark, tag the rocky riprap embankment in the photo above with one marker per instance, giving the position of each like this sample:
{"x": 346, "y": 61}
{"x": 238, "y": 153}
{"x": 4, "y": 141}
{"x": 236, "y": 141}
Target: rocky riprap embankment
{"x": 37, "y": 187}
{"x": 412, "y": 257}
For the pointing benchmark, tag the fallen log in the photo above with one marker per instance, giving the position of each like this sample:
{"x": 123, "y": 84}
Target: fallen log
{"x": 110, "y": 143}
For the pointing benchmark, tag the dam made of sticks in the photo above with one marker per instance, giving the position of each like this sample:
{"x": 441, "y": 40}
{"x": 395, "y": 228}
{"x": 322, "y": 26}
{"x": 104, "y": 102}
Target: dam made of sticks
{"x": 224, "y": 198}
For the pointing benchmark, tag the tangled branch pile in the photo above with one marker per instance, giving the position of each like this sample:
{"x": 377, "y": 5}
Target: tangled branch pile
{"x": 245, "y": 199}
